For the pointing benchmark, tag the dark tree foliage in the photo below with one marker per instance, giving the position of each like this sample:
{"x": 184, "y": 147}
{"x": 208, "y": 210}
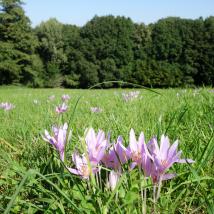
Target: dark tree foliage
{"x": 51, "y": 50}
{"x": 18, "y": 60}
{"x": 172, "y": 52}
{"x": 70, "y": 68}
{"x": 108, "y": 42}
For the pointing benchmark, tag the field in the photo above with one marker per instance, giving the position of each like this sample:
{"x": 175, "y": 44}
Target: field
{"x": 33, "y": 180}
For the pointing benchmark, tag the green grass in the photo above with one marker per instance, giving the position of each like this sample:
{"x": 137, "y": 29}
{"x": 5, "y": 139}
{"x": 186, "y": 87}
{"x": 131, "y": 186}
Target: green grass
{"x": 32, "y": 180}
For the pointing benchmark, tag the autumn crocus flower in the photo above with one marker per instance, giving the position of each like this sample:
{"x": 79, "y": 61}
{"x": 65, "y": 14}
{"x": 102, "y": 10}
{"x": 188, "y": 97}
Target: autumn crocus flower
{"x": 83, "y": 167}
{"x": 96, "y": 145}
{"x": 117, "y": 155}
{"x": 96, "y": 110}
{"x": 130, "y": 95}
{"x": 59, "y": 138}
{"x": 113, "y": 179}
{"x": 7, "y": 106}
{"x": 65, "y": 97}
{"x": 164, "y": 157}
{"x": 138, "y": 150}
{"x": 61, "y": 108}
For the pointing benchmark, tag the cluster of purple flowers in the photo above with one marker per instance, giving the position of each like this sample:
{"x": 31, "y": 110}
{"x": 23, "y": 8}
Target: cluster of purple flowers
{"x": 130, "y": 95}
{"x": 65, "y": 97}
{"x": 96, "y": 109}
{"x": 7, "y": 106}
{"x": 153, "y": 160}
{"x": 59, "y": 138}
{"x": 63, "y": 107}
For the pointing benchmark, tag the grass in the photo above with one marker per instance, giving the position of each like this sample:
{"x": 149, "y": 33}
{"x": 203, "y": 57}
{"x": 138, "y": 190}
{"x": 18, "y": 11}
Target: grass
{"x": 33, "y": 181}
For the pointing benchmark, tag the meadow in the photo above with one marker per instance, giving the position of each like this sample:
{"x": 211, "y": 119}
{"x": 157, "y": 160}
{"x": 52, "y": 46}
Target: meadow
{"x": 34, "y": 180}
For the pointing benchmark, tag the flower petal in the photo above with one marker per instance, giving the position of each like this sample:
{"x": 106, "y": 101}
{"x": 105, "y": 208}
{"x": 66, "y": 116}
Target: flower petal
{"x": 168, "y": 176}
{"x": 132, "y": 141}
{"x": 185, "y": 161}
{"x": 164, "y": 147}
{"x": 173, "y": 149}
{"x": 73, "y": 171}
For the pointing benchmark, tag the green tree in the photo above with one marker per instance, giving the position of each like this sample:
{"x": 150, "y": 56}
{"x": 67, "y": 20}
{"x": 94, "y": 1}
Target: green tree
{"x": 51, "y": 50}
{"x": 110, "y": 39}
{"x": 17, "y": 46}
{"x": 71, "y": 40}
{"x": 205, "y": 57}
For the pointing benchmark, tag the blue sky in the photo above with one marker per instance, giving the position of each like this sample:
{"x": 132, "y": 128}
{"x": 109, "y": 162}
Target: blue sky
{"x": 80, "y": 11}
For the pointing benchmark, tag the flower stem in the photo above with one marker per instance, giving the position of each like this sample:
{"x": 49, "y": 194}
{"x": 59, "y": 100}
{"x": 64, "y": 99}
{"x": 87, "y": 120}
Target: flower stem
{"x": 159, "y": 188}
{"x": 154, "y": 197}
{"x": 144, "y": 206}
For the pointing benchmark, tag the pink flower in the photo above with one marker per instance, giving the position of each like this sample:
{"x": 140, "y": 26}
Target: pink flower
{"x": 96, "y": 145}
{"x": 7, "y": 106}
{"x": 59, "y": 139}
{"x": 130, "y": 95}
{"x": 83, "y": 167}
{"x": 138, "y": 150}
{"x": 65, "y": 97}
{"x": 96, "y": 110}
{"x": 164, "y": 157}
{"x": 113, "y": 179}
{"x": 116, "y": 156}
{"x": 61, "y": 108}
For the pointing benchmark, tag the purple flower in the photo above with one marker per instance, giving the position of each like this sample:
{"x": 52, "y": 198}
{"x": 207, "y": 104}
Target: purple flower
{"x": 164, "y": 157}
{"x": 113, "y": 179}
{"x": 7, "y": 106}
{"x": 65, "y": 97}
{"x": 116, "y": 156}
{"x": 96, "y": 145}
{"x": 83, "y": 167}
{"x": 139, "y": 152}
{"x": 61, "y": 108}
{"x": 96, "y": 110}
{"x": 59, "y": 139}
{"x": 130, "y": 95}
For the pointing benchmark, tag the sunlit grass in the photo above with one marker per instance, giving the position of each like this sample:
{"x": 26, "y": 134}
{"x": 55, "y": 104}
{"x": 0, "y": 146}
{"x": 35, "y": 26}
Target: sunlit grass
{"x": 31, "y": 180}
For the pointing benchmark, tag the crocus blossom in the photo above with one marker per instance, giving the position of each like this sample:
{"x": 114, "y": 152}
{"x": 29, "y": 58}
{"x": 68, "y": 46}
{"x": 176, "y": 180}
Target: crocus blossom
{"x": 130, "y": 95}
{"x": 7, "y": 106}
{"x": 138, "y": 150}
{"x": 113, "y": 179}
{"x": 83, "y": 167}
{"x": 96, "y": 110}
{"x": 65, "y": 97}
{"x": 117, "y": 155}
{"x": 61, "y": 108}
{"x": 96, "y": 145}
{"x": 154, "y": 160}
{"x": 59, "y": 139}
{"x": 164, "y": 157}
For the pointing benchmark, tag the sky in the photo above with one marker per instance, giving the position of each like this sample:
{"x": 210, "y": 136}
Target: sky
{"x": 78, "y": 12}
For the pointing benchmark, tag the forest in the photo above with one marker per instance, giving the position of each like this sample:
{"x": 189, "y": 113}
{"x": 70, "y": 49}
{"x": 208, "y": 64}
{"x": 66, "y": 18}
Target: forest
{"x": 173, "y": 52}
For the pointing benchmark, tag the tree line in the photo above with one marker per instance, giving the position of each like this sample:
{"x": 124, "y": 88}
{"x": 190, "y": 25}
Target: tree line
{"x": 169, "y": 53}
